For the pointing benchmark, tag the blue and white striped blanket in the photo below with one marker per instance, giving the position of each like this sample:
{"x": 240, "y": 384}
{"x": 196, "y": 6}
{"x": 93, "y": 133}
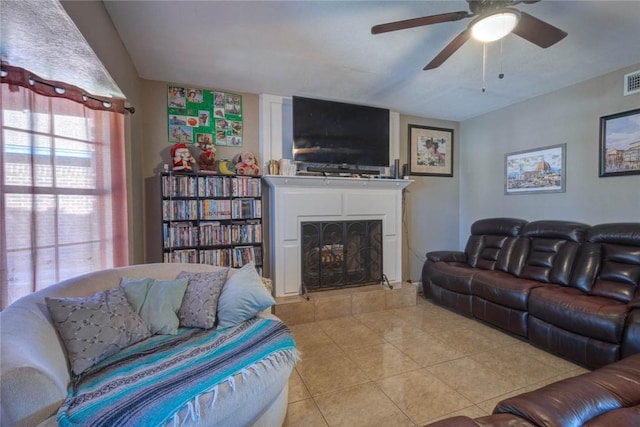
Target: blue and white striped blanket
{"x": 148, "y": 383}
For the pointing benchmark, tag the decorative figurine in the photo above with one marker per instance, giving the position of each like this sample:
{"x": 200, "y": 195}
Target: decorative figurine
{"x": 246, "y": 164}
{"x": 225, "y": 167}
{"x": 207, "y": 157}
{"x": 182, "y": 158}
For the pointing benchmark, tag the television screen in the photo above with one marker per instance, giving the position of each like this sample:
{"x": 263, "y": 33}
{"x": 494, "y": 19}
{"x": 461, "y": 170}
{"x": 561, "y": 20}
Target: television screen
{"x": 336, "y": 133}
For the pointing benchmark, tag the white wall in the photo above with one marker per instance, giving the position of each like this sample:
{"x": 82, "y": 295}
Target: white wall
{"x": 570, "y": 116}
{"x": 94, "y": 23}
{"x": 439, "y": 210}
{"x": 431, "y": 204}
{"x": 155, "y": 152}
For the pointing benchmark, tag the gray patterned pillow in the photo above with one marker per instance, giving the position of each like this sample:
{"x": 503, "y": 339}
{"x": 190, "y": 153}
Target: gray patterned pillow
{"x": 95, "y": 327}
{"x": 200, "y": 301}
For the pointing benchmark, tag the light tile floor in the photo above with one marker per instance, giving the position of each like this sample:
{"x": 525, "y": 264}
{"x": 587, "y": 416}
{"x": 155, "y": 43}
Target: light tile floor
{"x": 408, "y": 367}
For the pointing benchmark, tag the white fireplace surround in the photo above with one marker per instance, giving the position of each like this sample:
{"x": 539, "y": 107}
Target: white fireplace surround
{"x": 294, "y": 199}
{"x": 297, "y": 199}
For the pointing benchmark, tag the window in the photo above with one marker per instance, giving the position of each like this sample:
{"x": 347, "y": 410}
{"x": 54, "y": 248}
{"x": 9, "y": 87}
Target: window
{"x": 63, "y": 200}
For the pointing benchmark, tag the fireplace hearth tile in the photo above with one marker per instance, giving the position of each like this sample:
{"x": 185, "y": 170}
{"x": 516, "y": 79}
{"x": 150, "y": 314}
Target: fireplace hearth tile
{"x": 295, "y": 313}
{"x": 366, "y": 302}
{"x": 404, "y": 295}
{"x": 332, "y": 307}
{"x": 323, "y": 305}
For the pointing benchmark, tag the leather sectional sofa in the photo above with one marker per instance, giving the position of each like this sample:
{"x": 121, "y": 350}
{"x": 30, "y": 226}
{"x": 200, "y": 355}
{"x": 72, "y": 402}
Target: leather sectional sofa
{"x": 570, "y": 288}
{"x": 607, "y": 397}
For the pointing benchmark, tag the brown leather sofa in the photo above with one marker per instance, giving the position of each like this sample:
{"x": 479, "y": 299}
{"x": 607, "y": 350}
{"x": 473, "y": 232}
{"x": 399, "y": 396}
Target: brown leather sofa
{"x": 568, "y": 287}
{"x": 606, "y": 397}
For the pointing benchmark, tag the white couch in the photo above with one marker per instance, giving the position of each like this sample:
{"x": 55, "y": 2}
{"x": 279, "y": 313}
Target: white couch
{"x": 34, "y": 370}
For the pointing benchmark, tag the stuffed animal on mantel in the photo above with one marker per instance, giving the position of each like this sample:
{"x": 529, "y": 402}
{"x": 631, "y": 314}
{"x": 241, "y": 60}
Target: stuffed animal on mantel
{"x": 207, "y": 157}
{"x": 182, "y": 158}
{"x": 246, "y": 164}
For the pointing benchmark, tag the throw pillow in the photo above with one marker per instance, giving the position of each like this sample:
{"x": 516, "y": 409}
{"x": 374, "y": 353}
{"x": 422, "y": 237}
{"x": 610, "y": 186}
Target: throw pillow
{"x": 243, "y": 296}
{"x": 157, "y": 302}
{"x": 136, "y": 291}
{"x": 200, "y": 302}
{"x": 95, "y": 327}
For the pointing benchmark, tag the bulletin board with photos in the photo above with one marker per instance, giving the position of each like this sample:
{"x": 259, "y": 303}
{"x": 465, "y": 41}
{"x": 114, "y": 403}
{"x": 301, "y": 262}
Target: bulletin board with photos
{"x": 204, "y": 116}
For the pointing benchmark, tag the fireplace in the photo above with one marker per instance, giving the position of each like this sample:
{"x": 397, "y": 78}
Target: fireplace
{"x": 338, "y": 254}
{"x": 294, "y": 200}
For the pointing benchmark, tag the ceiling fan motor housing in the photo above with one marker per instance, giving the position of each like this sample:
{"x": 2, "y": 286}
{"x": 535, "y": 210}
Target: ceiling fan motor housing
{"x": 481, "y": 6}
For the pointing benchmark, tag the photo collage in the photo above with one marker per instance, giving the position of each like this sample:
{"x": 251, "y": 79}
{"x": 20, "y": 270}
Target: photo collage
{"x": 197, "y": 116}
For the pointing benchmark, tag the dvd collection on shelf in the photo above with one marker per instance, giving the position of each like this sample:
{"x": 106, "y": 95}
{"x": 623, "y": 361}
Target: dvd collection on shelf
{"x": 212, "y": 219}
{"x": 228, "y": 257}
{"x": 211, "y": 209}
{"x": 191, "y": 185}
{"x": 184, "y": 234}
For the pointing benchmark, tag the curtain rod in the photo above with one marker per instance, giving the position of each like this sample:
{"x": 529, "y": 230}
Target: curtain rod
{"x": 60, "y": 88}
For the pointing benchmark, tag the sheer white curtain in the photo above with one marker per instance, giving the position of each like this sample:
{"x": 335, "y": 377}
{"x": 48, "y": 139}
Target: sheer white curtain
{"x": 63, "y": 185}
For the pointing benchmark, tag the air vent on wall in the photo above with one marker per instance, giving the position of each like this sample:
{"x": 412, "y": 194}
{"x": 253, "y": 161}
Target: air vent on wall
{"x": 632, "y": 83}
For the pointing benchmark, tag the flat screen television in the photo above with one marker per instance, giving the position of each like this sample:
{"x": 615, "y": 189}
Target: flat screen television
{"x": 339, "y": 134}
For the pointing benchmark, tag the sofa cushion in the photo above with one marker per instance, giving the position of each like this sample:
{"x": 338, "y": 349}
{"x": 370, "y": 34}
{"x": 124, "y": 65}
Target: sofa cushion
{"x": 503, "y": 288}
{"x": 200, "y": 301}
{"x": 492, "y": 241}
{"x": 95, "y": 327}
{"x": 608, "y": 263}
{"x": 156, "y": 301}
{"x": 546, "y": 251}
{"x": 243, "y": 296}
{"x": 573, "y": 310}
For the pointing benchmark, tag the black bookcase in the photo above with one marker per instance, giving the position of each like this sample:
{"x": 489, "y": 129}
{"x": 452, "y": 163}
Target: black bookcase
{"x": 211, "y": 219}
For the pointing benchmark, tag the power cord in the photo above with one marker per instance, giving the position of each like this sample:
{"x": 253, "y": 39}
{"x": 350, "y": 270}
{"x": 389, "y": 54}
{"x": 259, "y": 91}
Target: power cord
{"x": 406, "y": 228}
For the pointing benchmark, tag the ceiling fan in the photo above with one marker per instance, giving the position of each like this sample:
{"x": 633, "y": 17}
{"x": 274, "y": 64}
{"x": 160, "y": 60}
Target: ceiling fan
{"x": 492, "y": 20}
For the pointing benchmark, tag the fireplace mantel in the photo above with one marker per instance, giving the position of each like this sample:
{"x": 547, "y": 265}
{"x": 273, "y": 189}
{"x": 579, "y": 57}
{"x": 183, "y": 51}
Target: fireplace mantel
{"x": 295, "y": 199}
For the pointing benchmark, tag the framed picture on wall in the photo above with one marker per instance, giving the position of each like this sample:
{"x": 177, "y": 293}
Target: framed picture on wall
{"x": 541, "y": 170}
{"x": 620, "y": 144}
{"x": 430, "y": 151}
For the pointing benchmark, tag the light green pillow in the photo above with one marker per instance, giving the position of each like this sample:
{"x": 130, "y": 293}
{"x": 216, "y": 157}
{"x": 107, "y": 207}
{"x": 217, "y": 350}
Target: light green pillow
{"x": 243, "y": 296}
{"x": 157, "y": 302}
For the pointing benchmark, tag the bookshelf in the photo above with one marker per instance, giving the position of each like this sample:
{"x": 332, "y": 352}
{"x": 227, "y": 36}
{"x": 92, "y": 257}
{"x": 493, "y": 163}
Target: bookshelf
{"x": 211, "y": 219}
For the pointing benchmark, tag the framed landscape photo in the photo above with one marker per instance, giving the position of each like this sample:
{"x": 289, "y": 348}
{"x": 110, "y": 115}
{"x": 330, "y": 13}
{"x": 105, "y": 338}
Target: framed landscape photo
{"x": 430, "y": 151}
{"x": 541, "y": 170}
{"x": 620, "y": 144}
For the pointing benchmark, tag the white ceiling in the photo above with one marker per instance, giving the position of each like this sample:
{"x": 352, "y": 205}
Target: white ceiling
{"x": 326, "y": 50}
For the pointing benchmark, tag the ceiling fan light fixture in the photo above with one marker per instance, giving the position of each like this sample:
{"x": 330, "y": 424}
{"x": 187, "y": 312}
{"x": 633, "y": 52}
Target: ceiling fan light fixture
{"x": 489, "y": 28}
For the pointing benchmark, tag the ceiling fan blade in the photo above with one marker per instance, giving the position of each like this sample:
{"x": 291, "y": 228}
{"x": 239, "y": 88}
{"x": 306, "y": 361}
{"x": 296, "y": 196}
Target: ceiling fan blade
{"x": 448, "y": 50}
{"x": 538, "y": 32}
{"x": 418, "y": 22}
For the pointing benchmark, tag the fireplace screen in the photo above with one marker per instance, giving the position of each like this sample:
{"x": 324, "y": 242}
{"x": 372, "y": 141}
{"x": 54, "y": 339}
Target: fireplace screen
{"x": 341, "y": 253}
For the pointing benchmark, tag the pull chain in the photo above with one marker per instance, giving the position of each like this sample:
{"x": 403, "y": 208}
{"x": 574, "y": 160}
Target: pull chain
{"x": 484, "y": 67}
{"x": 501, "y": 75}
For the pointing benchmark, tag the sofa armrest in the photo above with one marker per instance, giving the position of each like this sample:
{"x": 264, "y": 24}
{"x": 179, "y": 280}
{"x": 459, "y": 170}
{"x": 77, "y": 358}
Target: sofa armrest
{"x": 458, "y": 421}
{"x": 447, "y": 256}
{"x": 580, "y": 399}
{"x": 496, "y": 420}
